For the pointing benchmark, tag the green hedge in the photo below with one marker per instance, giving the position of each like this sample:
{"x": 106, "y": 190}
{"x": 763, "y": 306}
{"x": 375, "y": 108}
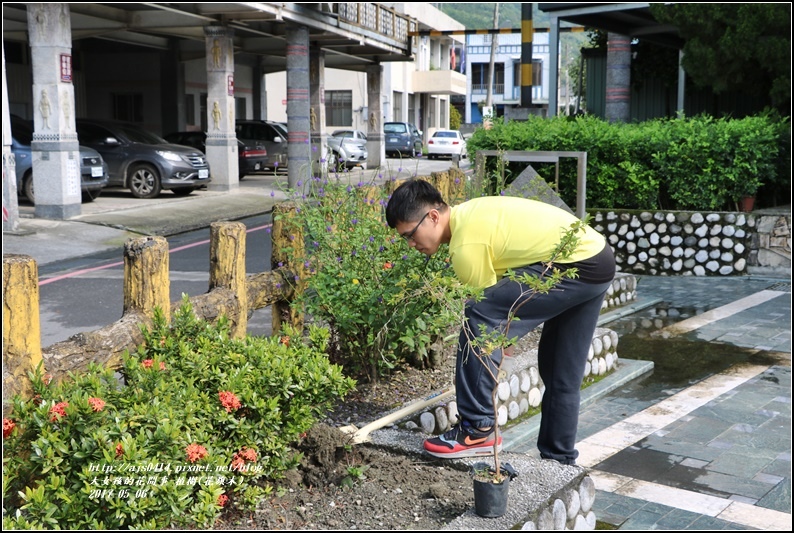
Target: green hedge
{"x": 698, "y": 163}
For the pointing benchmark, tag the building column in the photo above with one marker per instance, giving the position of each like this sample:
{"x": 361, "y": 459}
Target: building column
{"x": 317, "y": 109}
{"x": 221, "y": 146}
{"x": 172, "y": 88}
{"x": 618, "y": 96}
{"x": 260, "y": 93}
{"x": 10, "y": 200}
{"x": 376, "y": 150}
{"x": 298, "y": 107}
{"x": 56, "y": 152}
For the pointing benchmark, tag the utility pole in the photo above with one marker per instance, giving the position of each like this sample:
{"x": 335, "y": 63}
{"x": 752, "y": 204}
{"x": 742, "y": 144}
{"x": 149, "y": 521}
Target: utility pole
{"x": 488, "y": 108}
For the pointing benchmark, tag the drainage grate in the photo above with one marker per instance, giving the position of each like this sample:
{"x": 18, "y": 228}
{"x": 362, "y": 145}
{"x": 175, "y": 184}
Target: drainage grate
{"x": 784, "y": 287}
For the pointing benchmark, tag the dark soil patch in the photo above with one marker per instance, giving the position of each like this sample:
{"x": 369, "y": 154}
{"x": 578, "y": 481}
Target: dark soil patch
{"x": 347, "y": 486}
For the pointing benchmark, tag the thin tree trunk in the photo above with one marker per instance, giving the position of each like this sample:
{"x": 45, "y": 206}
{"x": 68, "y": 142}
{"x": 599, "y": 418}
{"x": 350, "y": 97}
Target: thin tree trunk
{"x": 494, "y": 46}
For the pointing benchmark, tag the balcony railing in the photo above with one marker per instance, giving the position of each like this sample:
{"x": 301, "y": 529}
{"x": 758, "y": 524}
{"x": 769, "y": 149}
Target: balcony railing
{"x": 482, "y": 88}
{"x": 513, "y": 94}
{"x": 377, "y": 18}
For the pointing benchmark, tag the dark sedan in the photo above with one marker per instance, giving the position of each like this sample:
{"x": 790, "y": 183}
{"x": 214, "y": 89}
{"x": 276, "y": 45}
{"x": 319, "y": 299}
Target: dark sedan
{"x": 250, "y": 157}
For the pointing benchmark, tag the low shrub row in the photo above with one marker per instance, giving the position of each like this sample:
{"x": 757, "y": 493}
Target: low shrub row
{"x": 698, "y": 163}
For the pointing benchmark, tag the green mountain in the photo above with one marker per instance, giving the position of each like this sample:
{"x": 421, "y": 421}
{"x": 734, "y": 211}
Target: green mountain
{"x": 479, "y": 16}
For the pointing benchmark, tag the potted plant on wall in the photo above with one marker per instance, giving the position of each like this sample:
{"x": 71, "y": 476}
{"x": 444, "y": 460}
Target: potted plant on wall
{"x": 745, "y": 187}
{"x": 491, "y": 482}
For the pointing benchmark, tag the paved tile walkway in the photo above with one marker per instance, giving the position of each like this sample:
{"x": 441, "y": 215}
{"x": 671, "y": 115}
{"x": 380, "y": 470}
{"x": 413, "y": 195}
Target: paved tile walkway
{"x": 706, "y": 446}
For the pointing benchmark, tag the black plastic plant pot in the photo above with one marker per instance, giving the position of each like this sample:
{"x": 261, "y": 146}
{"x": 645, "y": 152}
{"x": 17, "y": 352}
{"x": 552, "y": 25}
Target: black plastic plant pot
{"x": 490, "y": 498}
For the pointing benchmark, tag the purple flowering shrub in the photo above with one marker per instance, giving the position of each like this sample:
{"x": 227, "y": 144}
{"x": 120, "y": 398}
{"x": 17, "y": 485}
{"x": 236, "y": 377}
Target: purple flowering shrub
{"x": 385, "y": 304}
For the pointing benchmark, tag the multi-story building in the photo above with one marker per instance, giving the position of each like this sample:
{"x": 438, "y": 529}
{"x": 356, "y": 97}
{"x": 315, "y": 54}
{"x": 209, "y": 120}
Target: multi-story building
{"x": 415, "y": 91}
{"x": 507, "y": 73}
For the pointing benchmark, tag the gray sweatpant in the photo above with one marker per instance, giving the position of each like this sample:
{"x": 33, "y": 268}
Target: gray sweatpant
{"x": 569, "y": 314}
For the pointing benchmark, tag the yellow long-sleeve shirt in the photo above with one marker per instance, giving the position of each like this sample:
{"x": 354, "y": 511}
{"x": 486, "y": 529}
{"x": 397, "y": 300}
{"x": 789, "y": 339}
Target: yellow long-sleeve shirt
{"x": 492, "y": 234}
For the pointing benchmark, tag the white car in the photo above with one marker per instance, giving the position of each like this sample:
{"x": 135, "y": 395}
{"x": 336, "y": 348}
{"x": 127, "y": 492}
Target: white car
{"x": 447, "y": 143}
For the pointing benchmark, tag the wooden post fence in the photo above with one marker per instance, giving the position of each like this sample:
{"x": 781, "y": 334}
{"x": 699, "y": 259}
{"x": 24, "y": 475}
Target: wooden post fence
{"x": 231, "y": 293}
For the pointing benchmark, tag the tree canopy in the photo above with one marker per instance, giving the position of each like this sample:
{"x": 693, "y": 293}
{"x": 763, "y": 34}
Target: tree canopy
{"x": 745, "y": 46}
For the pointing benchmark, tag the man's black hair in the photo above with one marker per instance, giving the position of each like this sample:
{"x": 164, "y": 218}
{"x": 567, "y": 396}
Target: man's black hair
{"x": 411, "y": 200}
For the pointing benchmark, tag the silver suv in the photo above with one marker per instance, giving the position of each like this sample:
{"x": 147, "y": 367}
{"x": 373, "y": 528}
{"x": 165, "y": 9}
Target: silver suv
{"x": 143, "y": 162}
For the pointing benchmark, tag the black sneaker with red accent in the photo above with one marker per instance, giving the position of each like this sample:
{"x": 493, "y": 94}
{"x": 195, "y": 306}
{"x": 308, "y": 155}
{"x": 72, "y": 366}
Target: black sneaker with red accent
{"x": 462, "y": 440}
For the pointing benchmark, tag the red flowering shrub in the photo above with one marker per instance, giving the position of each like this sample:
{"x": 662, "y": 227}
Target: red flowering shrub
{"x": 58, "y": 411}
{"x": 8, "y": 427}
{"x": 165, "y": 421}
{"x": 240, "y": 458}
{"x": 195, "y": 452}
{"x": 238, "y": 463}
{"x": 96, "y": 404}
{"x": 249, "y": 454}
{"x": 229, "y": 401}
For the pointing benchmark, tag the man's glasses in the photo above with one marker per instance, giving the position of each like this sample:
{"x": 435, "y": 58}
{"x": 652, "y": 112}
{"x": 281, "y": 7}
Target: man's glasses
{"x": 410, "y": 235}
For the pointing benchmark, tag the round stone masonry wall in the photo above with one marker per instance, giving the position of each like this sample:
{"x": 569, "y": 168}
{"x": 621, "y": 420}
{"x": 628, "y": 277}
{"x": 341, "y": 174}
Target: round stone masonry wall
{"x": 678, "y": 242}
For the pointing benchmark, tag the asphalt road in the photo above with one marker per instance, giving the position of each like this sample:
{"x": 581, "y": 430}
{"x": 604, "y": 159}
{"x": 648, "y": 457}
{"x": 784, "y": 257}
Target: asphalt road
{"x": 79, "y": 297}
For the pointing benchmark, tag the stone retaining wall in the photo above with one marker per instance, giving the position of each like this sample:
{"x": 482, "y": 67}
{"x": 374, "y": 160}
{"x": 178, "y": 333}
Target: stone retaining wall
{"x": 522, "y": 388}
{"x": 698, "y": 243}
{"x": 678, "y": 242}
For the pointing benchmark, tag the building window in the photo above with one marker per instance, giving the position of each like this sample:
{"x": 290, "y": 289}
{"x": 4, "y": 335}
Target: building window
{"x": 479, "y": 78}
{"x": 397, "y": 106}
{"x": 128, "y": 107}
{"x": 411, "y": 108}
{"x": 537, "y": 72}
{"x": 338, "y": 108}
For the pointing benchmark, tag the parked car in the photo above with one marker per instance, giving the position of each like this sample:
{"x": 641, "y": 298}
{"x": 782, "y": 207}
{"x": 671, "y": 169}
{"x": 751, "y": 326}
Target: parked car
{"x": 249, "y": 158}
{"x": 143, "y": 162}
{"x": 447, "y": 143}
{"x": 271, "y": 135}
{"x": 402, "y": 138}
{"x": 346, "y": 148}
{"x": 93, "y": 169}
